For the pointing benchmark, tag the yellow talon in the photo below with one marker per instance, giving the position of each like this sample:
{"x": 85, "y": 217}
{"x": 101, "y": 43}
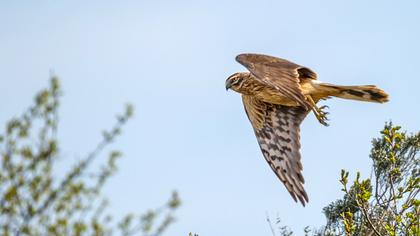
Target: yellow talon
{"x": 319, "y": 112}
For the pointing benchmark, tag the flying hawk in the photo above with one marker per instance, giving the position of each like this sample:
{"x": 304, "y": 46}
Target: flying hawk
{"x": 277, "y": 95}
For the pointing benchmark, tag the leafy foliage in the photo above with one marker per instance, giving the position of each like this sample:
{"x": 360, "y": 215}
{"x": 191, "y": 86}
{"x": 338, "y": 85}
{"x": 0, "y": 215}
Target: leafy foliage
{"x": 388, "y": 203}
{"x": 34, "y": 202}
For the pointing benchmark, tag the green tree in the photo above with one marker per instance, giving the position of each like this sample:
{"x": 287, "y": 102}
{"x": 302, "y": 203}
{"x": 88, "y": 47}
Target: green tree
{"x": 34, "y": 202}
{"x": 385, "y": 204}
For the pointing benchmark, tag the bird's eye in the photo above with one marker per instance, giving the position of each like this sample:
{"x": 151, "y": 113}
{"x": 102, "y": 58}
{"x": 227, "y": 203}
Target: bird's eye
{"x": 237, "y": 81}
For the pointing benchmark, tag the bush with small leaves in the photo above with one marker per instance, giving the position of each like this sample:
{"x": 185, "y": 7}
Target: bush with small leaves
{"x": 34, "y": 202}
{"x": 388, "y": 203}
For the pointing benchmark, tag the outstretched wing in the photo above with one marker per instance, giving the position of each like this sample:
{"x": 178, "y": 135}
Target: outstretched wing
{"x": 280, "y": 74}
{"x": 277, "y": 131}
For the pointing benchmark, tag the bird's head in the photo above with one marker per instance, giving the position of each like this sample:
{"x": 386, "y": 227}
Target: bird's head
{"x": 236, "y": 82}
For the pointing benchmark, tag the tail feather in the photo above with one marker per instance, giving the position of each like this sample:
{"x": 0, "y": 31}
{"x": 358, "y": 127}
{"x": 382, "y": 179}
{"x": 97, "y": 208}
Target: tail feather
{"x": 368, "y": 93}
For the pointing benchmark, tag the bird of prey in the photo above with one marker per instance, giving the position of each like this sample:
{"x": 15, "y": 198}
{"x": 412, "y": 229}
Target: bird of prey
{"x": 277, "y": 95}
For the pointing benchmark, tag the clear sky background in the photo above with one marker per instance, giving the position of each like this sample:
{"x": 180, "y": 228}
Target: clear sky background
{"x": 171, "y": 58}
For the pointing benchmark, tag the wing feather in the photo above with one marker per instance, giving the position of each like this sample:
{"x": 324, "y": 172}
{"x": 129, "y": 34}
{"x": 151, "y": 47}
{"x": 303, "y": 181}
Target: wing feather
{"x": 277, "y": 130}
{"x": 279, "y": 74}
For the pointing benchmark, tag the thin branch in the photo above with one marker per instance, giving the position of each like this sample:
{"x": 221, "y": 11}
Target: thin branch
{"x": 270, "y": 224}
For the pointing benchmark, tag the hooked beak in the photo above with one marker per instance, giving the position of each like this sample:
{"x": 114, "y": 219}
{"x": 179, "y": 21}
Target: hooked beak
{"x": 228, "y": 84}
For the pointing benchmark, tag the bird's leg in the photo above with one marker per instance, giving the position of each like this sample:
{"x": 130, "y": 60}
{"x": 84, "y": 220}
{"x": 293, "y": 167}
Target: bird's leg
{"x": 319, "y": 112}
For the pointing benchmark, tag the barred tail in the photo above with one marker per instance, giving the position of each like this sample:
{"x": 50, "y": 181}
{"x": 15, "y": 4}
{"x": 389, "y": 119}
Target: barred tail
{"x": 367, "y": 93}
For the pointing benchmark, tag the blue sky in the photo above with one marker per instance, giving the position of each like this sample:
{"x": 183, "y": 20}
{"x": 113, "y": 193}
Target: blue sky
{"x": 170, "y": 60}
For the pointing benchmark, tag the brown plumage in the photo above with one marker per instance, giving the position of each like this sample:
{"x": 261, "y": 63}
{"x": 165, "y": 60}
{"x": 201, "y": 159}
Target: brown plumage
{"x": 277, "y": 95}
